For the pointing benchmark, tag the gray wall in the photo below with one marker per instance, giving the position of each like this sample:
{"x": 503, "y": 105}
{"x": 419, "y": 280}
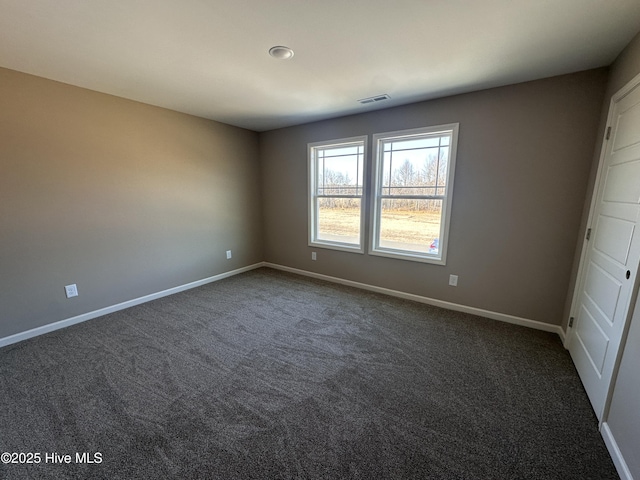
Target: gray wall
{"x": 524, "y": 157}
{"x": 121, "y": 198}
{"x": 623, "y": 417}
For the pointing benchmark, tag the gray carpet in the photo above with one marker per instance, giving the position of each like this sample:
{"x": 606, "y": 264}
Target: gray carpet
{"x": 271, "y": 375}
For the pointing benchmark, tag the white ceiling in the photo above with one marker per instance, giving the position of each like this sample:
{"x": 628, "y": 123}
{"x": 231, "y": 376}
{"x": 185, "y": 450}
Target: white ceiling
{"x": 209, "y": 57}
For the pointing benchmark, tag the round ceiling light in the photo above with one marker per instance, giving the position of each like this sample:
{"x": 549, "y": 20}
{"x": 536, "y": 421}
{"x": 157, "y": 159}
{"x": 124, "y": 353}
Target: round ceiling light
{"x": 280, "y": 52}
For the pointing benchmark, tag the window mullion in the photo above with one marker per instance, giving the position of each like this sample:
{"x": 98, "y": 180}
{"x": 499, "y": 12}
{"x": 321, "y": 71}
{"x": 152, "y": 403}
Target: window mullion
{"x": 413, "y": 197}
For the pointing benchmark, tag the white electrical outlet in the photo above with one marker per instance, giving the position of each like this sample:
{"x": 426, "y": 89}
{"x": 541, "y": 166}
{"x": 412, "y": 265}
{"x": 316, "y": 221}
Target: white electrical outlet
{"x": 228, "y": 254}
{"x": 453, "y": 280}
{"x": 313, "y": 256}
{"x": 71, "y": 290}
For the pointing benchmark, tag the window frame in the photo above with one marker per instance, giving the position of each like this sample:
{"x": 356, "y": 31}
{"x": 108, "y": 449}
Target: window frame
{"x": 312, "y": 196}
{"x": 377, "y": 196}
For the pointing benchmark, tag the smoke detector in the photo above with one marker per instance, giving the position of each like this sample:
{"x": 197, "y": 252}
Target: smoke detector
{"x": 280, "y": 52}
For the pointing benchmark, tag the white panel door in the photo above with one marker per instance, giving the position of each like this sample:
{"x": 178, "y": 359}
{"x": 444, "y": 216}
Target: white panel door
{"x": 613, "y": 255}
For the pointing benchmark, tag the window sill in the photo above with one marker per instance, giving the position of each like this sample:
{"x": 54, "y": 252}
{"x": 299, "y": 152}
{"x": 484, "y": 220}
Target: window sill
{"x": 412, "y": 257}
{"x": 343, "y": 247}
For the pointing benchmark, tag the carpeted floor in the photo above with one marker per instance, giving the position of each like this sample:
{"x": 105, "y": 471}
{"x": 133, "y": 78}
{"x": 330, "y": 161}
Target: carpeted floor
{"x": 271, "y": 375}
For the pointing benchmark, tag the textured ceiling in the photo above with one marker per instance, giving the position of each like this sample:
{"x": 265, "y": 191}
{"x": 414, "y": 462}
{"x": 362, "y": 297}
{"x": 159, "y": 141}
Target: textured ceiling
{"x": 209, "y": 57}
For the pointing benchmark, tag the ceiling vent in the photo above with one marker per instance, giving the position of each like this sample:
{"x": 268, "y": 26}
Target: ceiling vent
{"x": 377, "y": 98}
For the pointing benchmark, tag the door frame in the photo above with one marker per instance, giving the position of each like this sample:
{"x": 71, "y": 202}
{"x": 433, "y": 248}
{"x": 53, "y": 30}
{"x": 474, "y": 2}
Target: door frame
{"x": 580, "y": 276}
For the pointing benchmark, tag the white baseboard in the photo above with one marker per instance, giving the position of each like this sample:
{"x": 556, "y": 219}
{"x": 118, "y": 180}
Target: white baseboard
{"x": 616, "y": 454}
{"x": 18, "y": 337}
{"x": 503, "y": 317}
{"x": 563, "y": 337}
{"x": 34, "y": 332}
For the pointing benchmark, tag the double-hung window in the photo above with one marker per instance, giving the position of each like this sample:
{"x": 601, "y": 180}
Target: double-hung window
{"x": 413, "y": 188}
{"x": 336, "y": 186}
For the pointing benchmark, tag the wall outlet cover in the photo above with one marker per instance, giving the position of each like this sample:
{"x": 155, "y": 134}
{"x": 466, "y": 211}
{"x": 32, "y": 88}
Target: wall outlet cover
{"x": 71, "y": 290}
{"x": 228, "y": 254}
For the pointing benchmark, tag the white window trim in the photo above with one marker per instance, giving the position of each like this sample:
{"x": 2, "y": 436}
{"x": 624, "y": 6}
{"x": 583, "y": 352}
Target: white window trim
{"x": 311, "y": 194}
{"x": 374, "y": 228}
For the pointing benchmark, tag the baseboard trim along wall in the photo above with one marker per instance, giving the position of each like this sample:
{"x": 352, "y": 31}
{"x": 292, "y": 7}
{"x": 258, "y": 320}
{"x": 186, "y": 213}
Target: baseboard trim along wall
{"x": 503, "y": 317}
{"x": 18, "y": 337}
{"x": 616, "y": 454}
{"x": 34, "y": 332}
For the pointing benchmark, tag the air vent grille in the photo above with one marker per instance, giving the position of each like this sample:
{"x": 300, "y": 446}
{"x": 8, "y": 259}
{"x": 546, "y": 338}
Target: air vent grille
{"x": 377, "y": 98}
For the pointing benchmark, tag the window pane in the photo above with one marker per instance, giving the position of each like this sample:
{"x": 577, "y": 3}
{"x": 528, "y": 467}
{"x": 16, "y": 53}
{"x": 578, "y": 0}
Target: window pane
{"x": 339, "y": 220}
{"x": 340, "y": 151}
{"x": 340, "y": 170}
{"x": 410, "y": 166}
{"x": 412, "y": 225}
{"x": 414, "y": 171}
{"x": 412, "y": 143}
{"x": 442, "y": 165}
{"x": 336, "y": 178}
